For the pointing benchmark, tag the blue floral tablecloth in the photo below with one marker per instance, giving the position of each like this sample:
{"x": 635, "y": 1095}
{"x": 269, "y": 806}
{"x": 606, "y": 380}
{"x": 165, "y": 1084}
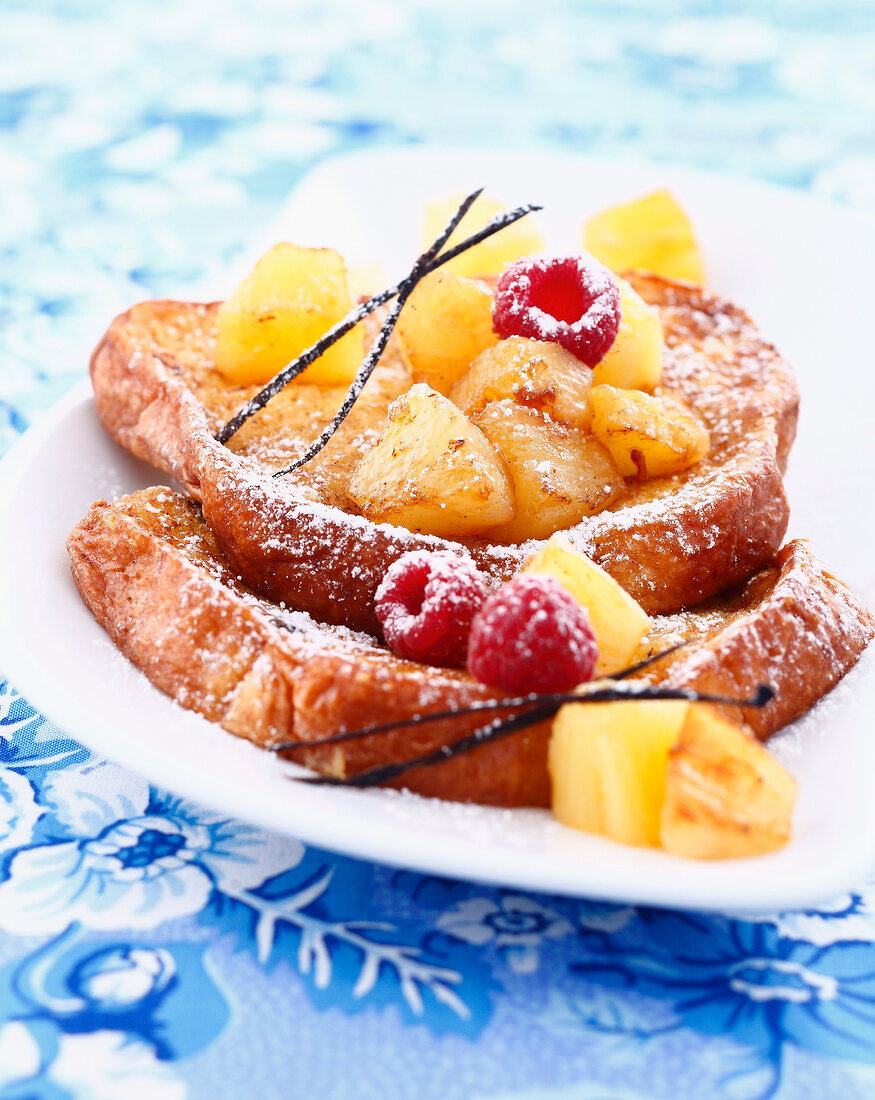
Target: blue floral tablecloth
{"x": 151, "y": 948}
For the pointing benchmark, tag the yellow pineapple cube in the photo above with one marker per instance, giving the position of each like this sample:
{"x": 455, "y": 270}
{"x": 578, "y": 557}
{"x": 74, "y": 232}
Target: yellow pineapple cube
{"x": 535, "y": 373}
{"x": 646, "y": 436}
{"x": 725, "y": 795}
{"x": 559, "y": 474}
{"x": 432, "y": 470}
{"x": 490, "y": 256}
{"x": 634, "y": 360}
{"x": 668, "y": 773}
{"x": 618, "y": 622}
{"x": 288, "y": 301}
{"x": 652, "y": 233}
{"x": 444, "y": 326}
{"x": 608, "y": 765}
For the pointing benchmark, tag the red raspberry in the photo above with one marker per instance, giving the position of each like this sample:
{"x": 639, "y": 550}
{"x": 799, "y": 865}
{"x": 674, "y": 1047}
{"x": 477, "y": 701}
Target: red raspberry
{"x": 569, "y": 300}
{"x": 532, "y": 636}
{"x": 425, "y": 604}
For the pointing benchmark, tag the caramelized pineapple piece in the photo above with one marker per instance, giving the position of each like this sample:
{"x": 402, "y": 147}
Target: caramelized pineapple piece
{"x": 559, "y": 474}
{"x": 671, "y": 774}
{"x": 446, "y": 323}
{"x": 618, "y": 622}
{"x": 725, "y": 795}
{"x": 534, "y": 373}
{"x": 608, "y": 764}
{"x": 646, "y": 436}
{"x": 634, "y": 360}
{"x": 432, "y": 470}
{"x": 290, "y": 298}
{"x": 490, "y": 256}
{"x": 652, "y": 233}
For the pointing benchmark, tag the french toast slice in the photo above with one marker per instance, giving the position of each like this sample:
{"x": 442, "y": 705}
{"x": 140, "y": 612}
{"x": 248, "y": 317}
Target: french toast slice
{"x": 670, "y": 542}
{"x": 155, "y": 578}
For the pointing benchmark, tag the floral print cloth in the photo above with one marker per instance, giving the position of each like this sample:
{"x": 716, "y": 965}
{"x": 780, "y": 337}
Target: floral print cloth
{"x": 153, "y": 949}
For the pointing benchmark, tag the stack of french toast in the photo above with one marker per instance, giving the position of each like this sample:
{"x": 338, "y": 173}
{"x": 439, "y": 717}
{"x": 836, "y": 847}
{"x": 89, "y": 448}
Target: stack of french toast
{"x": 251, "y": 598}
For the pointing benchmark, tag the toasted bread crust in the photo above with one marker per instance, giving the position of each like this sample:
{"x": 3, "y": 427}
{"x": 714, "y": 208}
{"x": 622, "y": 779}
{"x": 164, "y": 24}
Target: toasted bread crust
{"x": 670, "y": 543}
{"x": 793, "y": 626}
{"x": 155, "y": 578}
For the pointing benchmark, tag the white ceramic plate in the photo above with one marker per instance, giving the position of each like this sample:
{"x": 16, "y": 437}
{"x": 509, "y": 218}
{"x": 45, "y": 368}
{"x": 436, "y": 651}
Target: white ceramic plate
{"x": 803, "y": 269}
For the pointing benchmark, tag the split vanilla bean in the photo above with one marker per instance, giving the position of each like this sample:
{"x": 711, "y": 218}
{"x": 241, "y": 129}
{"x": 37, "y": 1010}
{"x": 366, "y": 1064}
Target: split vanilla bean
{"x": 428, "y": 262}
{"x": 633, "y": 690}
{"x": 539, "y": 708}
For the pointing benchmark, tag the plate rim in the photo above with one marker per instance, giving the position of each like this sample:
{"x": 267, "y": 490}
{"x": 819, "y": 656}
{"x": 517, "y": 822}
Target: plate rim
{"x": 15, "y": 466}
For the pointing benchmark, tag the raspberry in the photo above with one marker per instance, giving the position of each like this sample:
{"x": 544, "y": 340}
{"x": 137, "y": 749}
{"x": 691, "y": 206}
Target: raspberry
{"x": 569, "y": 300}
{"x": 532, "y": 636}
{"x": 425, "y": 604}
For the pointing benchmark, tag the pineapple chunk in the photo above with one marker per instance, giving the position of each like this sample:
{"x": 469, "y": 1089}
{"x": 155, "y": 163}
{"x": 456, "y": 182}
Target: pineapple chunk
{"x": 725, "y": 794}
{"x": 618, "y": 622}
{"x": 652, "y": 233}
{"x": 535, "y": 373}
{"x": 446, "y": 324}
{"x": 490, "y": 256}
{"x": 559, "y": 474}
{"x": 668, "y": 773}
{"x": 608, "y": 764}
{"x": 646, "y": 436}
{"x": 432, "y": 470}
{"x": 290, "y": 298}
{"x": 634, "y": 360}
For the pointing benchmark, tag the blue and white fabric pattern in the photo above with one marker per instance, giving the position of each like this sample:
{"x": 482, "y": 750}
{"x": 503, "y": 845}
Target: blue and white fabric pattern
{"x": 144, "y": 936}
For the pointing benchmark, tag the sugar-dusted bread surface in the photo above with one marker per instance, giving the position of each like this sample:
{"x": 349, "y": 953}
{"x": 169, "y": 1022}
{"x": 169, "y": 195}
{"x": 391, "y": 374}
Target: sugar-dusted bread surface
{"x": 671, "y": 542}
{"x": 155, "y": 578}
{"x": 793, "y": 626}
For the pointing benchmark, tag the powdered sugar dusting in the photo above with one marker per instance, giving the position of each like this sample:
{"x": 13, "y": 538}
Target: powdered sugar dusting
{"x": 669, "y": 541}
{"x": 532, "y": 635}
{"x": 426, "y": 602}
{"x": 533, "y": 293}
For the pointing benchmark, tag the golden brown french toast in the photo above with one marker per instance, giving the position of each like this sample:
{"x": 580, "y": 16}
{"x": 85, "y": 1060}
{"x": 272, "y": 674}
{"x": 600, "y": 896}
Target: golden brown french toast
{"x": 155, "y": 578}
{"x": 793, "y": 625}
{"x": 670, "y": 542}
